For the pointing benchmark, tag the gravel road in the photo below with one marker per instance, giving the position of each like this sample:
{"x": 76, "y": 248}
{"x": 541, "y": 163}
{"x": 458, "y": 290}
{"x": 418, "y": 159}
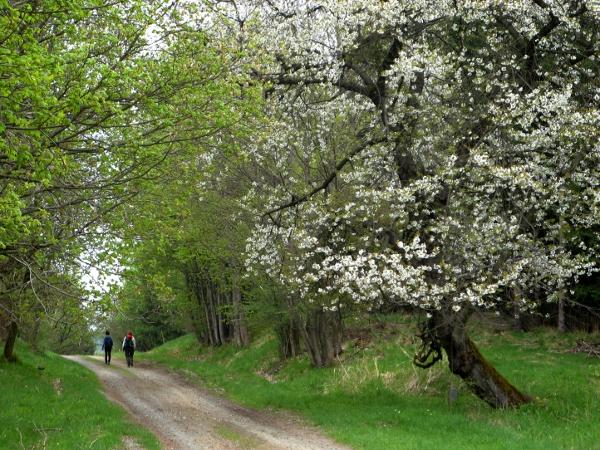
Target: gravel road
{"x": 184, "y": 416}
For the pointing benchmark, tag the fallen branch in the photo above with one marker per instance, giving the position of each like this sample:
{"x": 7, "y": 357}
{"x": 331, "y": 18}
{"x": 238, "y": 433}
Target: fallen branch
{"x": 591, "y": 349}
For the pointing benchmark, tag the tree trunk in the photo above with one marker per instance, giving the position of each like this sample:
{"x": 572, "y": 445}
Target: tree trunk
{"x": 220, "y": 322}
{"x": 203, "y": 305}
{"x": 35, "y": 335}
{"x": 288, "y": 334}
{"x": 240, "y": 329}
{"x": 202, "y": 323}
{"x": 323, "y": 336}
{"x": 466, "y": 361}
{"x": 9, "y": 345}
{"x": 562, "y": 325}
{"x": 220, "y": 316}
{"x": 518, "y": 324}
{"x": 212, "y": 309}
{"x": 198, "y": 312}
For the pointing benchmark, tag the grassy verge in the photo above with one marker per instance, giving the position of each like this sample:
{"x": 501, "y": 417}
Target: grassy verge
{"x": 376, "y": 399}
{"x": 60, "y": 407}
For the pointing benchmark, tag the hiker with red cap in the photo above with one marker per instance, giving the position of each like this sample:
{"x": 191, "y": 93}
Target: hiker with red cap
{"x": 129, "y": 348}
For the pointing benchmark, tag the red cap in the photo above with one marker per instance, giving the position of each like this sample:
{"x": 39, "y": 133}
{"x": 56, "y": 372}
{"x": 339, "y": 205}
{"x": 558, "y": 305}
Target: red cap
{"x": 129, "y": 334}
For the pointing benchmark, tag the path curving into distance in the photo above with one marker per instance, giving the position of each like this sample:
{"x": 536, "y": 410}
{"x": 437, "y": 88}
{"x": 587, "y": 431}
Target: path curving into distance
{"x": 184, "y": 416}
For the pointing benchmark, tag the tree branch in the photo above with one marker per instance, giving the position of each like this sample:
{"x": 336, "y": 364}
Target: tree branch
{"x": 295, "y": 201}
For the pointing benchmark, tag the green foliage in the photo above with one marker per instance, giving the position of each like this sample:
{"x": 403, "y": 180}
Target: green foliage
{"x": 52, "y": 314}
{"x": 150, "y": 311}
{"x": 195, "y": 219}
{"x": 59, "y": 407}
{"x": 375, "y": 398}
{"x": 106, "y": 106}
{"x": 66, "y": 329}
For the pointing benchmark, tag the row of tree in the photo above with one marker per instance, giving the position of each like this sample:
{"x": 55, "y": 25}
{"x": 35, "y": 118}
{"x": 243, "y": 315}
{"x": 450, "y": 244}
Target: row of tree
{"x": 95, "y": 96}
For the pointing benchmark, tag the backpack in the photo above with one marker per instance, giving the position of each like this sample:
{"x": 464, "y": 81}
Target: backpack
{"x": 128, "y": 343}
{"x": 108, "y": 342}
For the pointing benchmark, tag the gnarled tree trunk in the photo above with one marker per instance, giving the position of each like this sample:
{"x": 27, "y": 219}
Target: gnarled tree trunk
{"x": 466, "y": 361}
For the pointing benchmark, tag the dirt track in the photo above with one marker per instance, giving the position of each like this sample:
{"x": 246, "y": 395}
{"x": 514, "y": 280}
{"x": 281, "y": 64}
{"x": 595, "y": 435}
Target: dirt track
{"x": 184, "y": 416}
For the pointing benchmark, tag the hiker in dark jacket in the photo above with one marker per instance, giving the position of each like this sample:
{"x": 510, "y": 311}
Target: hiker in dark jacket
{"x": 129, "y": 348}
{"x": 107, "y": 346}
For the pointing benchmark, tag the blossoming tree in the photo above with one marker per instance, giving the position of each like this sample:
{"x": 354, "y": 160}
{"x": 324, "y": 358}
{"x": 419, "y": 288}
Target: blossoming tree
{"x": 451, "y": 147}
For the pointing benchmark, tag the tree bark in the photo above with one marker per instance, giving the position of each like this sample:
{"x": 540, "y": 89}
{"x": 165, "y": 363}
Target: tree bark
{"x": 203, "y": 305}
{"x": 518, "y": 323}
{"x": 198, "y": 313}
{"x": 219, "y": 314}
{"x": 9, "y": 345}
{"x": 240, "y": 329}
{"x": 215, "y": 314}
{"x": 323, "y": 336}
{"x": 466, "y": 361}
{"x": 288, "y": 333}
{"x": 220, "y": 322}
{"x": 562, "y": 324}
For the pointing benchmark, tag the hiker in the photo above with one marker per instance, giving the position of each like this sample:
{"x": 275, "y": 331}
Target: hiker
{"x": 107, "y": 346}
{"x": 129, "y": 348}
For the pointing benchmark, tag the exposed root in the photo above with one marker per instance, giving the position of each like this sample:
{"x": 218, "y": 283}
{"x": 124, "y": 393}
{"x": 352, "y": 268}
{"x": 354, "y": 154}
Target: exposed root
{"x": 430, "y": 347}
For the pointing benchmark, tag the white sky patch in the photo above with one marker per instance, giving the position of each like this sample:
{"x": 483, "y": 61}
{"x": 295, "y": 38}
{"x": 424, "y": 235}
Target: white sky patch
{"x": 99, "y": 271}
{"x": 95, "y": 279}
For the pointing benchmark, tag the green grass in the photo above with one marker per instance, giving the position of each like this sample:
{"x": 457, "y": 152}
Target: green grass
{"x": 60, "y": 407}
{"x": 376, "y": 399}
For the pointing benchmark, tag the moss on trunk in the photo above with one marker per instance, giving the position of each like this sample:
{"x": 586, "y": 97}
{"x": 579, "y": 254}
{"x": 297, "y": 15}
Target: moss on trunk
{"x": 466, "y": 361}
